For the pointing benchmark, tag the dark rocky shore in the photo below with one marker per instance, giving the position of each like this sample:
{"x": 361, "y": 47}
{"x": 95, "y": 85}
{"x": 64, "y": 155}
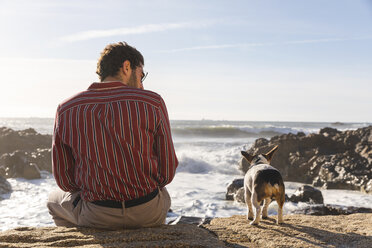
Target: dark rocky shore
{"x": 330, "y": 159}
{"x": 24, "y": 153}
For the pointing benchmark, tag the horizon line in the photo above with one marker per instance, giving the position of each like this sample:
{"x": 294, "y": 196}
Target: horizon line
{"x": 217, "y": 120}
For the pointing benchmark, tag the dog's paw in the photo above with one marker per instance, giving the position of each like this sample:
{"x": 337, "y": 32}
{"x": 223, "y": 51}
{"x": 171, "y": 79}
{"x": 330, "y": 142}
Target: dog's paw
{"x": 253, "y": 223}
{"x": 265, "y": 217}
{"x": 250, "y": 218}
{"x": 279, "y": 222}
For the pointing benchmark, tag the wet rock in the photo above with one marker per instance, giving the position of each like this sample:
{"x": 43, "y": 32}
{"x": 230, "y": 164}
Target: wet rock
{"x": 5, "y": 186}
{"x": 233, "y": 188}
{"x": 243, "y": 164}
{"x": 330, "y": 209}
{"x": 330, "y": 159}
{"x": 24, "y": 153}
{"x": 18, "y": 164}
{"x": 239, "y": 195}
{"x": 42, "y": 158}
{"x": 368, "y": 187}
{"x": 191, "y": 220}
{"x": 307, "y": 193}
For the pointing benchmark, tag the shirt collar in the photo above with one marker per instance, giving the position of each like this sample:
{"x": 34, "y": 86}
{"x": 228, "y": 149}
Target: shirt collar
{"x": 106, "y": 85}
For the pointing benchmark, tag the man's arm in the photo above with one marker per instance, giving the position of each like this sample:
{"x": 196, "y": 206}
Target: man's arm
{"x": 167, "y": 159}
{"x": 63, "y": 161}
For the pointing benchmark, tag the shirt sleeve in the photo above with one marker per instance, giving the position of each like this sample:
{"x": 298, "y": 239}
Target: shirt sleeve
{"x": 167, "y": 159}
{"x": 63, "y": 160}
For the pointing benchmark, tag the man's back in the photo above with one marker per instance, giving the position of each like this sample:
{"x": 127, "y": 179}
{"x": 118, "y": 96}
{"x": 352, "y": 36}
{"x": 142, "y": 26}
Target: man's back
{"x": 118, "y": 139}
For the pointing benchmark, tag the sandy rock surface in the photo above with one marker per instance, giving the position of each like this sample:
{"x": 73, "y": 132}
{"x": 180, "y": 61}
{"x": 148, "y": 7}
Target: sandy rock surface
{"x": 353, "y": 230}
{"x": 181, "y": 235}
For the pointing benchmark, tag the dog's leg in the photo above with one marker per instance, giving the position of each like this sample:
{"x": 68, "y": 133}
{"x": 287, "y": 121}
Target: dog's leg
{"x": 247, "y": 196}
{"x": 280, "y": 200}
{"x": 265, "y": 207}
{"x": 257, "y": 206}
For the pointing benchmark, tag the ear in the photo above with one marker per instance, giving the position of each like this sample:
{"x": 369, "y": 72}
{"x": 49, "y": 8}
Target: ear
{"x": 126, "y": 67}
{"x": 270, "y": 154}
{"x": 247, "y": 156}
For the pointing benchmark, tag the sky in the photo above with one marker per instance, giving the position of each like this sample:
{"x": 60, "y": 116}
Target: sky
{"x": 264, "y": 60}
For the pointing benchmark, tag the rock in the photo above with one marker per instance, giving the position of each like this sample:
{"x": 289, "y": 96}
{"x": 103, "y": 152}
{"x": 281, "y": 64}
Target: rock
{"x": 191, "y": 220}
{"x": 352, "y": 230}
{"x": 330, "y": 159}
{"x": 337, "y": 123}
{"x": 17, "y": 164}
{"x": 330, "y": 209}
{"x": 368, "y": 187}
{"x": 341, "y": 171}
{"x": 5, "y": 186}
{"x": 181, "y": 235}
{"x": 328, "y": 131}
{"x": 233, "y": 187}
{"x": 243, "y": 164}
{"x": 24, "y": 153}
{"x": 307, "y": 193}
{"x": 42, "y": 158}
{"x": 239, "y": 196}
{"x": 27, "y": 140}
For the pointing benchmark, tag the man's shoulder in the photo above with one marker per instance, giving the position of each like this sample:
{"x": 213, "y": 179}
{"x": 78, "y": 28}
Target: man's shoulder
{"x": 72, "y": 100}
{"x": 121, "y": 94}
{"x": 145, "y": 92}
{"x": 141, "y": 95}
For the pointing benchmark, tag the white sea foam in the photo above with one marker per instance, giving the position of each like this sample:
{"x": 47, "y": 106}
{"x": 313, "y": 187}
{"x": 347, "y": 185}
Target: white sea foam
{"x": 202, "y": 195}
{"x": 26, "y": 205}
{"x": 193, "y": 194}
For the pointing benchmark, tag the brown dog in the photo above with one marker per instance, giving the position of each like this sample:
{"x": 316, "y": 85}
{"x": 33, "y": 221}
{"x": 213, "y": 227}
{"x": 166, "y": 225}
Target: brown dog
{"x": 262, "y": 182}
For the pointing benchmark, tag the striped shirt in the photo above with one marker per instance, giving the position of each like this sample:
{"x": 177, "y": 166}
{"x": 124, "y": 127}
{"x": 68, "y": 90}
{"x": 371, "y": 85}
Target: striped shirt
{"x": 113, "y": 142}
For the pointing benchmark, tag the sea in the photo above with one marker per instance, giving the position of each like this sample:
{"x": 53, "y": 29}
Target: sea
{"x": 208, "y": 153}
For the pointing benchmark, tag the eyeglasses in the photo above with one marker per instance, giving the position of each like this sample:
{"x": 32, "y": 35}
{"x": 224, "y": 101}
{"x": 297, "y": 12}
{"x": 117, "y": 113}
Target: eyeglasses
{"x": 144, "y": 75}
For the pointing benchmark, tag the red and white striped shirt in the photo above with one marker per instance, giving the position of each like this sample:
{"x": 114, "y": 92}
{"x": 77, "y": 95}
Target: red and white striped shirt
{"x": 113, "y": 142}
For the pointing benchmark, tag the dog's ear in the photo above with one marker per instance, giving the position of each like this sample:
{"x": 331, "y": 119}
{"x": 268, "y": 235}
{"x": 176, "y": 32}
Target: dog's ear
{"x": 247, "y": 156}
{"x": 269, "y": 155}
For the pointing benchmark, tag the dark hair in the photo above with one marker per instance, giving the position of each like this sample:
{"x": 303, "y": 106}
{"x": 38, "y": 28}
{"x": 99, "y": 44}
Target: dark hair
{"x": 113, "y": 57}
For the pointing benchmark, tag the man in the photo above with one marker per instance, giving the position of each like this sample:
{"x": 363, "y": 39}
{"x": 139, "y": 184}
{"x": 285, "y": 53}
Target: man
{"x": 112, "y": 150}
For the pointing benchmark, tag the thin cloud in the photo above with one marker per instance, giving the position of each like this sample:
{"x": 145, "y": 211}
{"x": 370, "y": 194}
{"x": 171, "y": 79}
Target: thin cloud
{"x": 215, "y": 47}
{"x": 150, "y": 28}
{"x": 242, "y": 45}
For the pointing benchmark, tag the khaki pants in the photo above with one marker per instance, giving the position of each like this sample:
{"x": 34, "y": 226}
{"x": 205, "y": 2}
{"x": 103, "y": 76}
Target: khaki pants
{"x": 149, "y": 214}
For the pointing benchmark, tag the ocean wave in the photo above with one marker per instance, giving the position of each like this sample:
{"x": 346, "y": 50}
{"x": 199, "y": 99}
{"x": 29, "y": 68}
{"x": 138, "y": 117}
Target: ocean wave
{"x": 198, "y": 165}
{"x": 194, "y": 166}
{"x": 231, "y": 132}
